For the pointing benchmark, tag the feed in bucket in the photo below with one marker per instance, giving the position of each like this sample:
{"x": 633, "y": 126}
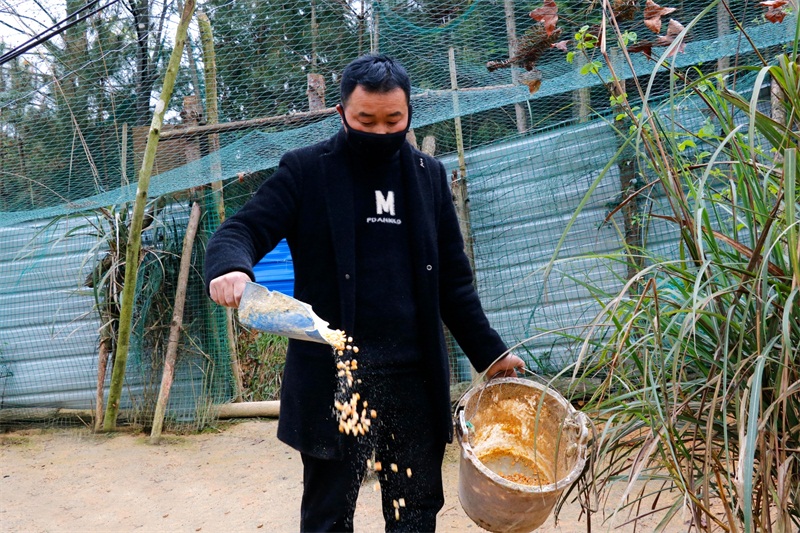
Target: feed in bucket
{"x": 522, "y": 444}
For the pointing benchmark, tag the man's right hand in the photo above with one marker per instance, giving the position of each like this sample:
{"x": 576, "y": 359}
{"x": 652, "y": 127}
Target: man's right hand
{"x": 227, "y": 289}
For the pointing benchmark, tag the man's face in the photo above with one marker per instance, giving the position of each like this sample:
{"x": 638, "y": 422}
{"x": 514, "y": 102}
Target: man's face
{"x": 376, "y": 112}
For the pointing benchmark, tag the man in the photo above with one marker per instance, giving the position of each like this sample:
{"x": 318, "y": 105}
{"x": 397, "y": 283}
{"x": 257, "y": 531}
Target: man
{"x": 378, "y": 253}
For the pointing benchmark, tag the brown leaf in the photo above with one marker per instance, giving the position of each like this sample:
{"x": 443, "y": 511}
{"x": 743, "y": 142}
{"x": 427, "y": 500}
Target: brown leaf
{"x": 547, "y": 15}
{"x": 533, "y": 85}
{"x": 674, "y": 28}
{"x": 645, "y": 47}
{"x": 561, "y": 45}
{"x": 774, "y": 4}
{"x": 625, "y": 9}
{"x": 775, "y": 10}
{"x": 653, "y": 13}
{"x": 775, "y": 15}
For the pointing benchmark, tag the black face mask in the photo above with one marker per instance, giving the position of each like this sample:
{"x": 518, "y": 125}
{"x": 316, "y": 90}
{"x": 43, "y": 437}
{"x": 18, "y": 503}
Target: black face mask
{"x": 375, "y": 146}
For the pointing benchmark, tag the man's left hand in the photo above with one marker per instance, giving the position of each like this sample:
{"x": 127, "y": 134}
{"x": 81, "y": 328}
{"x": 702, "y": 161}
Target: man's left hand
{"x": 507, "y": 367}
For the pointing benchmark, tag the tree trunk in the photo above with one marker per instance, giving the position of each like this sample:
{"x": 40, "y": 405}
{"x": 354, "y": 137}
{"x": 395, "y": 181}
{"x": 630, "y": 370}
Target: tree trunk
{"x": 144, "y": 84}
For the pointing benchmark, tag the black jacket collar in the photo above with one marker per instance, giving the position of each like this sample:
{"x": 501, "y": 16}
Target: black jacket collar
{"x": 339, "y": 199}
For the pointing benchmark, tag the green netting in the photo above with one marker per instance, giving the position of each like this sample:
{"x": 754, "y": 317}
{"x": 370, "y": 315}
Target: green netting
{"x": 58, "y": 158}
{"x": 74, "y": 112}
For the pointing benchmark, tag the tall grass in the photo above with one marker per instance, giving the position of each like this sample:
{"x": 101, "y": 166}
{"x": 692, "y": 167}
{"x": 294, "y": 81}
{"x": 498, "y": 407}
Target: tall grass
{"x": 699, "y": 354}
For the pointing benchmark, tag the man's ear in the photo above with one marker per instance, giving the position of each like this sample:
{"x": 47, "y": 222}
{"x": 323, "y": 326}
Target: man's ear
{"x": 340, "y": 110}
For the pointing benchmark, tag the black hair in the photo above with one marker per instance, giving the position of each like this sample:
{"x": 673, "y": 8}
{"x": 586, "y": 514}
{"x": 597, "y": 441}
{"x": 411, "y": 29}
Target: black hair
{"x": 376, "y": 73}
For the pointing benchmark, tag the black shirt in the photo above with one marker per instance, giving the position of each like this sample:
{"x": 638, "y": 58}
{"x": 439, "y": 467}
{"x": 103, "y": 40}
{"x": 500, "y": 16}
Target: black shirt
{"x": 385, "y": 313}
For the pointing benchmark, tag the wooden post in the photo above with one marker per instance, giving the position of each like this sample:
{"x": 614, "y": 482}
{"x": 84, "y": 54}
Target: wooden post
{"x": 511, "y": 34}
{"x": 459, "y": 180}
{"x": 362, "y": 21}
{"x": 375, "y": 34}
{"x": 777, "y": 103}
{"x": 212, "y": 118}
{"x": 191, "y": 116}
{"x": 429, "y": 145}
{"x": 135, "y": 233}
{"x": 459, "y": 183}
{"x": 123, "y": 158}
{"x": 581, "y": 98}
{"x": 462, "y": 166}
{"x": 269, "y": 408}
{"x": 176, "y": 325}
{"x": 102, "y": 364}
{"x": 411, "y": 137}
{"x": 627, "y": 186}
{"x": 314, "y": 36}
{"x": 316, "y": 91}
{"x": 723, "y": 28}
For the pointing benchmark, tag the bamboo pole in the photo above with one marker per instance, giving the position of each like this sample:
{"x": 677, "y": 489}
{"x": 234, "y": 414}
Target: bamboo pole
{"x": 212, "y": 114}
{"x": 212, "y": 117}
{"x": 135, "y": 235}
{"x": 176, "y": 325}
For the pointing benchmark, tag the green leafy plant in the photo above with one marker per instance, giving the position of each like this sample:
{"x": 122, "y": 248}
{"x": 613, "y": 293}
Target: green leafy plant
{"x": 261, "y": 358}
{"x": 699, "y": 353}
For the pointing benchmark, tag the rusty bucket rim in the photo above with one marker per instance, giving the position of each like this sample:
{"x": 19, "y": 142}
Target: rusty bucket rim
{"x": 468, "y": 451}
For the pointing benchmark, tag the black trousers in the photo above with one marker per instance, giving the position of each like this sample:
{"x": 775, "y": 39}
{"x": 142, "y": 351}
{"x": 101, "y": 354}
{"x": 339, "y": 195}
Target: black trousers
{"x": 401, "y": 435}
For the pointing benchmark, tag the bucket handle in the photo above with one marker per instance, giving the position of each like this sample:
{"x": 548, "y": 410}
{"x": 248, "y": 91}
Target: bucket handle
{"x": 462, "y": 429}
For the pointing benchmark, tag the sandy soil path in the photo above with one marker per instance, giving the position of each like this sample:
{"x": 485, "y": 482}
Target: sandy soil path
{"x": 238, "y": 479}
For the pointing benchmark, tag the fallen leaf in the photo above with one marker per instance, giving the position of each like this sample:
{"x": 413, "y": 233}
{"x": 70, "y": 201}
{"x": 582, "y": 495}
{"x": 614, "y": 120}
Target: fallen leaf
{"x": 547, "y": 15}
{"x": 561, "y": 45}
{"x": 674, "y": 28}
{"x": 653, "y": 13}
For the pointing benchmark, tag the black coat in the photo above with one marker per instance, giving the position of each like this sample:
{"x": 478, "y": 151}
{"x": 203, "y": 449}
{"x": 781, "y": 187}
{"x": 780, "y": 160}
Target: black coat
{"x": 309, "y": 201}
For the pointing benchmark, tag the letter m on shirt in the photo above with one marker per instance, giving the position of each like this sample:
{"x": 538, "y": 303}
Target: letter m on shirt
{"x": 384, "y": 204}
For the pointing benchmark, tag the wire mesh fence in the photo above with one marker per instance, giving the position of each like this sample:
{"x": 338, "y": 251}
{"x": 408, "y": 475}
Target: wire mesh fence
{"x": 260, "y": 78}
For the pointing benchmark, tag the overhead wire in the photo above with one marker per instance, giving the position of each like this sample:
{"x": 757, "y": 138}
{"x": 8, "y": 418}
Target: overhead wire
{"x": 54, "y": 30}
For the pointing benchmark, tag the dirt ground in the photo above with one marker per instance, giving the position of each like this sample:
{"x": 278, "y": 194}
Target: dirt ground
{"x": 239, "y": 478}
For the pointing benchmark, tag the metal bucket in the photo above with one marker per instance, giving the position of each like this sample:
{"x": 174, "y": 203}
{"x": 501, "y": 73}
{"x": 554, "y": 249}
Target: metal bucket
{"x": 522, "y": 444}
